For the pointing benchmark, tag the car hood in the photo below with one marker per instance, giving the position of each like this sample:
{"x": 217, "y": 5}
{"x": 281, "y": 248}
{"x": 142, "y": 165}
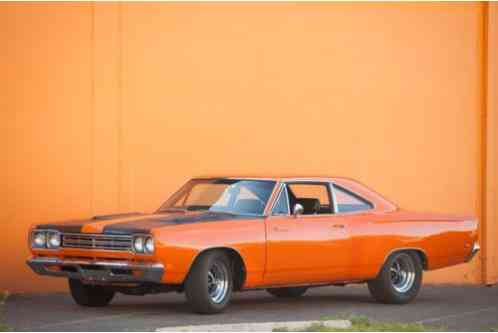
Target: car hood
{"x": 137, "y": 223}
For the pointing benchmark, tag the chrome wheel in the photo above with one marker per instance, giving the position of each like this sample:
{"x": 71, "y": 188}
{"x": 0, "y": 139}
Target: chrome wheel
{"x": 402, "y": 273}
{"x": 218, "y": 282}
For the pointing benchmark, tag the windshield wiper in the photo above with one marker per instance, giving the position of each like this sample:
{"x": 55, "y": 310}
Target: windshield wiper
{"x": 223, "y": 212}
{"x": 173, "y": 209}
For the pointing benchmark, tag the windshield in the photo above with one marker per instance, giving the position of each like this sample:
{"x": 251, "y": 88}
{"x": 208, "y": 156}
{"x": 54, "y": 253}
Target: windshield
{"x": 235, "y": 196}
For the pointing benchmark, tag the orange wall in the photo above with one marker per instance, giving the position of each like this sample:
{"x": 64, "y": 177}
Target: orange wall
{"x": 110, "y": 107}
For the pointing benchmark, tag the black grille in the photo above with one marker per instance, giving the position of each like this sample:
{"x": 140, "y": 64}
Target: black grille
{"x": 98, "y": 242}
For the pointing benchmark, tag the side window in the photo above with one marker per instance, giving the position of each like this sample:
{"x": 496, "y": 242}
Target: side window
{"x": 349, "y": 202}
{"x": 282, "y": 205}
{"x": 314, "y": 197}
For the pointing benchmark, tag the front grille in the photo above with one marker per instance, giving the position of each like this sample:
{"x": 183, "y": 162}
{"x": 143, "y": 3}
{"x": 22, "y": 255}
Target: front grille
{"x": 97, "y": 242}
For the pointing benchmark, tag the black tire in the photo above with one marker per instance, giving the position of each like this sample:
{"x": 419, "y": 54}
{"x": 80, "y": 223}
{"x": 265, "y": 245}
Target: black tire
{"x": 388, "y": 288}
{"x": 88, "y": 295}
{"x": 290, "y": 292}
{"x": 199, "y": 292}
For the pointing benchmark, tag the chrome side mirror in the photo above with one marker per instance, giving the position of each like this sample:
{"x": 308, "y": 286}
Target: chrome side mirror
{"x": 297, "y": 210}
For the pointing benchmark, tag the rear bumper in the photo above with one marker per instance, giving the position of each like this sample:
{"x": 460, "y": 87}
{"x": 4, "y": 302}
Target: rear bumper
{"x": 475, "y": 249}
{"x": 98, "y": 270}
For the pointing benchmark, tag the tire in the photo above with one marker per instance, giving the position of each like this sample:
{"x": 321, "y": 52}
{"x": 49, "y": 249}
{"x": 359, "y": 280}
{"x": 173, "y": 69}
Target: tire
{"x": 399, "y": 280}
{"x": 88, "y": 295}
{"x": 203, "y": 293}
{"x": 291, "y": 292}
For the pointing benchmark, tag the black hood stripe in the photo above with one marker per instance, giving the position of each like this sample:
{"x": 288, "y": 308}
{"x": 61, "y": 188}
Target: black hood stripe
{"x": 74, "y": 226}
{"x": 67, "y": 228}
{"x": 116, "y": 216}
{"x": 145, "y": 225}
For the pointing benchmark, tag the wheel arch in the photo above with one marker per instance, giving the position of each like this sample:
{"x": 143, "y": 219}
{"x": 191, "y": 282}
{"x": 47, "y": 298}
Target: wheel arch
{"x": 238, "y": 268}
{"x": 418, "y": 251}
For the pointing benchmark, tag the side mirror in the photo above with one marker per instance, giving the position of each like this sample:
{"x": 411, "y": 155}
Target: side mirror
{"x": 297, "y": 210}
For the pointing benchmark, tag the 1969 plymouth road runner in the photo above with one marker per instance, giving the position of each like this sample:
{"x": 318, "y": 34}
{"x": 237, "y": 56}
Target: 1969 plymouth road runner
{"x": 219, "y": 235}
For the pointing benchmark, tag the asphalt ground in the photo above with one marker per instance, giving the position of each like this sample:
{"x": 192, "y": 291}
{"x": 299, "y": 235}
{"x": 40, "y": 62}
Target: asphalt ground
{"x": 458, "y": 308}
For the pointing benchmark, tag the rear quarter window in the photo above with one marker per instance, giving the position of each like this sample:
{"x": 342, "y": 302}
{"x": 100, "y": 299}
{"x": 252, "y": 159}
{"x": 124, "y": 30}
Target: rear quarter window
{"x": 348, "y": 201}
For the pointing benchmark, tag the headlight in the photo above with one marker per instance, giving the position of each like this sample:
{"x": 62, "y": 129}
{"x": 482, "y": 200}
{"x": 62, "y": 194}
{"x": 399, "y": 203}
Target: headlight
{"x": 149, "y": 245}
{"x": 53, "y": 240}
{"x": 39, "y": 239}
{"x": 138, "y": 244}
{"x": 143, "y": 244}
{"x": 45, "y": 239}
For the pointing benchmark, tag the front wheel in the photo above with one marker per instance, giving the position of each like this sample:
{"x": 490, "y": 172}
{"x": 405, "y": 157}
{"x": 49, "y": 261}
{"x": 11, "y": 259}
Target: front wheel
{"x": 399, "y": 280}
{"x": 88, "y": 295}
{"x": 209, "y": 284}
{"x": 290, "y": 292}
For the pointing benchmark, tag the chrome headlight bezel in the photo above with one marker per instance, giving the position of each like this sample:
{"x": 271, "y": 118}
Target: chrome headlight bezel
{"x": 150, "y": 245}
{"x": 42, "y": 239}
{"x": 142, "y": 248}
{"x": 54, "y": 236}
{"x": 38, "y": 239}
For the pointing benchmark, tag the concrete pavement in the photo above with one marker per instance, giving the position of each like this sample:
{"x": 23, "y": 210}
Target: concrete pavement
{"x": 459, "y": 308}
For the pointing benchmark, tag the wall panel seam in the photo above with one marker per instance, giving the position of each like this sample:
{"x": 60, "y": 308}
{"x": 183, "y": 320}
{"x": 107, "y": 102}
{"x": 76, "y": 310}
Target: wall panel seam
{"x": 120, "y": 108}
{"x": 92, "y": 111}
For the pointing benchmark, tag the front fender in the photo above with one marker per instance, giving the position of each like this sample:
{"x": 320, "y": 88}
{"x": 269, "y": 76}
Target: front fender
{"x": 177, "y": 247}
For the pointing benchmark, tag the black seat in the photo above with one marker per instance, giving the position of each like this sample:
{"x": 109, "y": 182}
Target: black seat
{"x": 310, "y": 205}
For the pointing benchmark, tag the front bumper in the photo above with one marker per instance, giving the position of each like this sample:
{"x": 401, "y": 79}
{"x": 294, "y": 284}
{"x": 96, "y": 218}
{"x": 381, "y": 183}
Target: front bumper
{"x": 98, "y": 271}
{"x": 476, "y": 248}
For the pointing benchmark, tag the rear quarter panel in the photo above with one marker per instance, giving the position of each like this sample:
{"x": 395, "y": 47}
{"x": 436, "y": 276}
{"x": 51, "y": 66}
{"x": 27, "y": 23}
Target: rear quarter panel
{"x": 444, "y": 240}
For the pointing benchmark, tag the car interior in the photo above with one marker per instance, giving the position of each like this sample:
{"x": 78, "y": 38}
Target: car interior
{"x": 311, "y": 205}
{"x": 308, "y": 196}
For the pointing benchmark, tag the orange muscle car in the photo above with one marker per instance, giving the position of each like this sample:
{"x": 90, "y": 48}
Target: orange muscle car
{"x": 219, "y": 235}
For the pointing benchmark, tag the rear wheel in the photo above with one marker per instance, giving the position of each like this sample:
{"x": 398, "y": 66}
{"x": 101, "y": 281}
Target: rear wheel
{"x": 399, "y": 280}
{"x": 209, "y": 284}
{"x": 289, "y": 292}
{"x": 88, "y": 295}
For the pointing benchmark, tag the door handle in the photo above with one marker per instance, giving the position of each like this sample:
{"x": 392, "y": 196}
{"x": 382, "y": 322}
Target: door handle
{"x": 338, "y": 226}
{"x": 280, "y": 229}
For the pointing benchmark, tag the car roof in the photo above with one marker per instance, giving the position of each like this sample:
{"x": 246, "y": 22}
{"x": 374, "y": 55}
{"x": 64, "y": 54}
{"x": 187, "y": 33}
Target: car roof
{"x": 379, "y": 201}
{"x": 276, "y": 177}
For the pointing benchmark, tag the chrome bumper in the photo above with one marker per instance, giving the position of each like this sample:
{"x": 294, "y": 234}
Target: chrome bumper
{"x": 98, "y": 270}
{"x": 476, "y": 248}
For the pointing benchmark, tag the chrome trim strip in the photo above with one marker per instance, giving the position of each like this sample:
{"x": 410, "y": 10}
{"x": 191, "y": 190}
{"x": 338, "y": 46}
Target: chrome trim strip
{"x": 475, "y": 249}
{"x": 281, "y": 189}
{"x": 98, "y": 270}
{"x": 269, "y": 203}
{"x": 288, "y": 199}
{"x": 97, "y": 235}
{"x": 334, "y": 199}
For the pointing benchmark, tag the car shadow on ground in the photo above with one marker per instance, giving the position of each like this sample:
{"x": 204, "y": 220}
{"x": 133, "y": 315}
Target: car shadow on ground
{"x": 162, "y": 304}
{"x": 57, "y": 311}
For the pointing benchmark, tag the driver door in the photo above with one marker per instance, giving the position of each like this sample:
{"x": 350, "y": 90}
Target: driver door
{"x": 313, "y": 247}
